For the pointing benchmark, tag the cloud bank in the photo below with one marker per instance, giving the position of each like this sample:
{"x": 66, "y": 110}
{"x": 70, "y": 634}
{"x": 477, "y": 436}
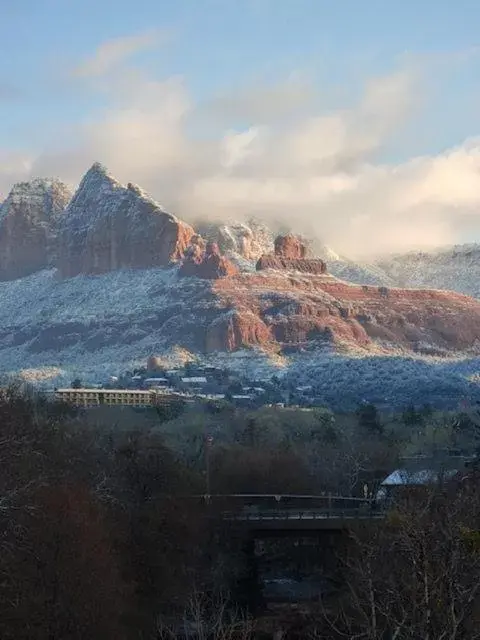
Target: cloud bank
{"x": 270, "y": 152}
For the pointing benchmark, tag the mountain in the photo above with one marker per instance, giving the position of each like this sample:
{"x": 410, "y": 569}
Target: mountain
{"x": 298, "y": 325}
{"x": 108, "y": 226}
{"x": 29, "y": 219}
{"x": 241, "y": 242}
{"x": 128, "y": 280}
{"x": 245, "y": 242}
{"x": 456, "y": 268}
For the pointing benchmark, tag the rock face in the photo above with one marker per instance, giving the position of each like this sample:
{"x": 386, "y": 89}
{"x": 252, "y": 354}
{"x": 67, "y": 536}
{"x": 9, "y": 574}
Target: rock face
{"x": 308, "y": 265}
{"x": 28, "y": 226}
{"x": 290, "y": 247}
{"x": 108, "y": 226}
{"x": 300, "y": 311}
{"x": 290, "y": 255}
{"x": 235, "y": 330}
{"x": 204, "y": 261}
{"x": 239, "y": 240}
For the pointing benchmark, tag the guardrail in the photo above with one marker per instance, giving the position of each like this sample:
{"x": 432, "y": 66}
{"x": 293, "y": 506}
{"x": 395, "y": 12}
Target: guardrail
{"x": 287, "y": 507}
{"x": 341, "y": 514}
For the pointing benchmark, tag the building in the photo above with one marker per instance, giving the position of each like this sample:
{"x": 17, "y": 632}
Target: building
{"x": 194, "y": 383}
{"x": 155, "y": 382}
{"x": 403, "y": 482}
{"x": 117, "y": 397}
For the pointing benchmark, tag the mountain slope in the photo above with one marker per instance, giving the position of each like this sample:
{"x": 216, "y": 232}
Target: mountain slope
{"x": 133, "y": 280}
{"x": 29, "y": 219}
{"x": 246, "y": 242}
{"x": 455, "y": 268}
{"x": 108, "y": 226}
{"x": 104, "y": 323}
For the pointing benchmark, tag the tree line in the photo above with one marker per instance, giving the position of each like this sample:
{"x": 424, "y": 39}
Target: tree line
{"x": 100, "y": 539}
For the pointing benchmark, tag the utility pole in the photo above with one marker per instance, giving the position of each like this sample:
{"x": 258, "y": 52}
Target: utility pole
{"x": 208, "y": 444}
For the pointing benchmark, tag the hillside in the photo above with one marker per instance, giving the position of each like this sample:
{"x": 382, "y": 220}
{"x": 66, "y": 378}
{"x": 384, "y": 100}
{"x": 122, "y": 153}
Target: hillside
{"x": 456, "y": 268}
{"x": 127, "y": 280}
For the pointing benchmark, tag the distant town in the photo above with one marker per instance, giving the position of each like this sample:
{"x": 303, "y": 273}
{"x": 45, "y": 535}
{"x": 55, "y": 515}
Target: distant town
{"x": 155, "y": 385}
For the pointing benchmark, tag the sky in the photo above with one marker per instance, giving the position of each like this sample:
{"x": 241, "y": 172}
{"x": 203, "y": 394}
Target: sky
{"x": 356, "y": 122}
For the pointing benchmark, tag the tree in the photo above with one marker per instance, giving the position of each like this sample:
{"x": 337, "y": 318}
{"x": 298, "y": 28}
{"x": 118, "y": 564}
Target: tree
{"x": 418, "y": 574}
{"x": 63, "y": 578}
{"x": 76, "y": 383}
{"x": 411, "y": 417}
{"x": 369, "y": 418}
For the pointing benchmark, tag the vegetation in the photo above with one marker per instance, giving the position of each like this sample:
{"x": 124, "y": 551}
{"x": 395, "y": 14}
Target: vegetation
{"x": 101, "y": 536}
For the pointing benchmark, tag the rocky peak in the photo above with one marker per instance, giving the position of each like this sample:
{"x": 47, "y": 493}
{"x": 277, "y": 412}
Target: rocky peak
{"x": 108, "y": 226}
{"x": 290, "y": 255}
{"x": 240, "y": 240}
{"x": 28, "y": 226}
{"x": 204, "y": 260}
{"x": 290, "y": 247}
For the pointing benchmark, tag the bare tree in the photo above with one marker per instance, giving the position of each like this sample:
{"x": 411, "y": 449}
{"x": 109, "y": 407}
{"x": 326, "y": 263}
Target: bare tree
{"x": 208, "y": 618}
{"x": 417, "y": 575}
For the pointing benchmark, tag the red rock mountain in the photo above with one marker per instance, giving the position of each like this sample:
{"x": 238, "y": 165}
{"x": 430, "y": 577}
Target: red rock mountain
{"x": 290, "y": 254}
{"x": 28, "y": 226}
{"x": 203, "y": 260}
{"x": 282, "y": 310}
{"x": 108, "y": 226}
{"x": 289, "y": 303}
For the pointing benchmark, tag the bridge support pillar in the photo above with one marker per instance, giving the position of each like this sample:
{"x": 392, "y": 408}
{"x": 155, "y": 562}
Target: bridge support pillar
{"x": 250, "y": 591}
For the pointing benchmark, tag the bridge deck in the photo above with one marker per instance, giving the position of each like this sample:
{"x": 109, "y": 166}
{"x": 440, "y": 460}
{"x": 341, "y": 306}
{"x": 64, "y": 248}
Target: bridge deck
{"x": 268, "y": 512}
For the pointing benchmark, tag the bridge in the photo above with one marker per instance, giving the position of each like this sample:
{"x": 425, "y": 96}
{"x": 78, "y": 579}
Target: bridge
{"x": 286, "y": 512}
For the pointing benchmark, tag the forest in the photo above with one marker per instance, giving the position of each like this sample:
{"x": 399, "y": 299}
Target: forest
{"x": 101, "y": 537}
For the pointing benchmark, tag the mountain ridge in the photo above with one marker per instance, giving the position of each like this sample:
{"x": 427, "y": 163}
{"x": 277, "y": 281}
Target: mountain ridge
{"x": 132, "y": 280}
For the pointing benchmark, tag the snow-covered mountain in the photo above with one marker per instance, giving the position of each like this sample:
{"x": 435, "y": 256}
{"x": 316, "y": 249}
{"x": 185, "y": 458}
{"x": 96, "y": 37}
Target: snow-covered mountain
{"x": 246, "y": 242}
{"x": 29, "y": 219}
{"x": 109, "y": 226}
{"x": 351, "y": 344}
{"x": 454, "y": 268}
{"x": 241, "y": 242}
{"x": 127, "y": 280}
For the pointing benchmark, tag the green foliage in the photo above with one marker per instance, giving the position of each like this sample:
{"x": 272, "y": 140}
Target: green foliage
{"x": 369, "y": 418}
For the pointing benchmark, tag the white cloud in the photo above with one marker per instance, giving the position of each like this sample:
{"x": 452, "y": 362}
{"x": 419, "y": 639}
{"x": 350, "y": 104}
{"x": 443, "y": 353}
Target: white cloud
{"x": 111, "y": 53}
{"x": 316, "y": 171}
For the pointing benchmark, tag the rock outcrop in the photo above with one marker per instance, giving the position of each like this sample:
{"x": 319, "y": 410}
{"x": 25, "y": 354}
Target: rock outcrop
{"x": 290, "y": 254}
{"x": 302, "y": 310}
{"x": 203, "y": 260}
{"x": 235, "y": 330}
{"x": 239, "y": 240}
{"x": 108, "y": 226}
{"x": 28, "y": 226}
{"x": 290, "y": 247}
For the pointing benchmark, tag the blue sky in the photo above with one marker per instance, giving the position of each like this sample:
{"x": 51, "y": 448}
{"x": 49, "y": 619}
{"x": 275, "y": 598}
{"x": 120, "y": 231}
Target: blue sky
{"x": 218, "y": 44}
{"x": 56, "y": 107}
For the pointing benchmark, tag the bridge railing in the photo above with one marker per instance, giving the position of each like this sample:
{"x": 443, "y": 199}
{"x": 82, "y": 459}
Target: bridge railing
{"x": 291, "y": 507}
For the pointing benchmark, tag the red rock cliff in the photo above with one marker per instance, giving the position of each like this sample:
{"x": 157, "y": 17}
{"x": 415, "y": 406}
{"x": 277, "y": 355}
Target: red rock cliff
{"x": 294, "y": 311}
{"x": 108, "y": 226}
{"x": 28, "y": 226}
{"x": 205, "y": 261}
{"x": 290, "y": 255}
